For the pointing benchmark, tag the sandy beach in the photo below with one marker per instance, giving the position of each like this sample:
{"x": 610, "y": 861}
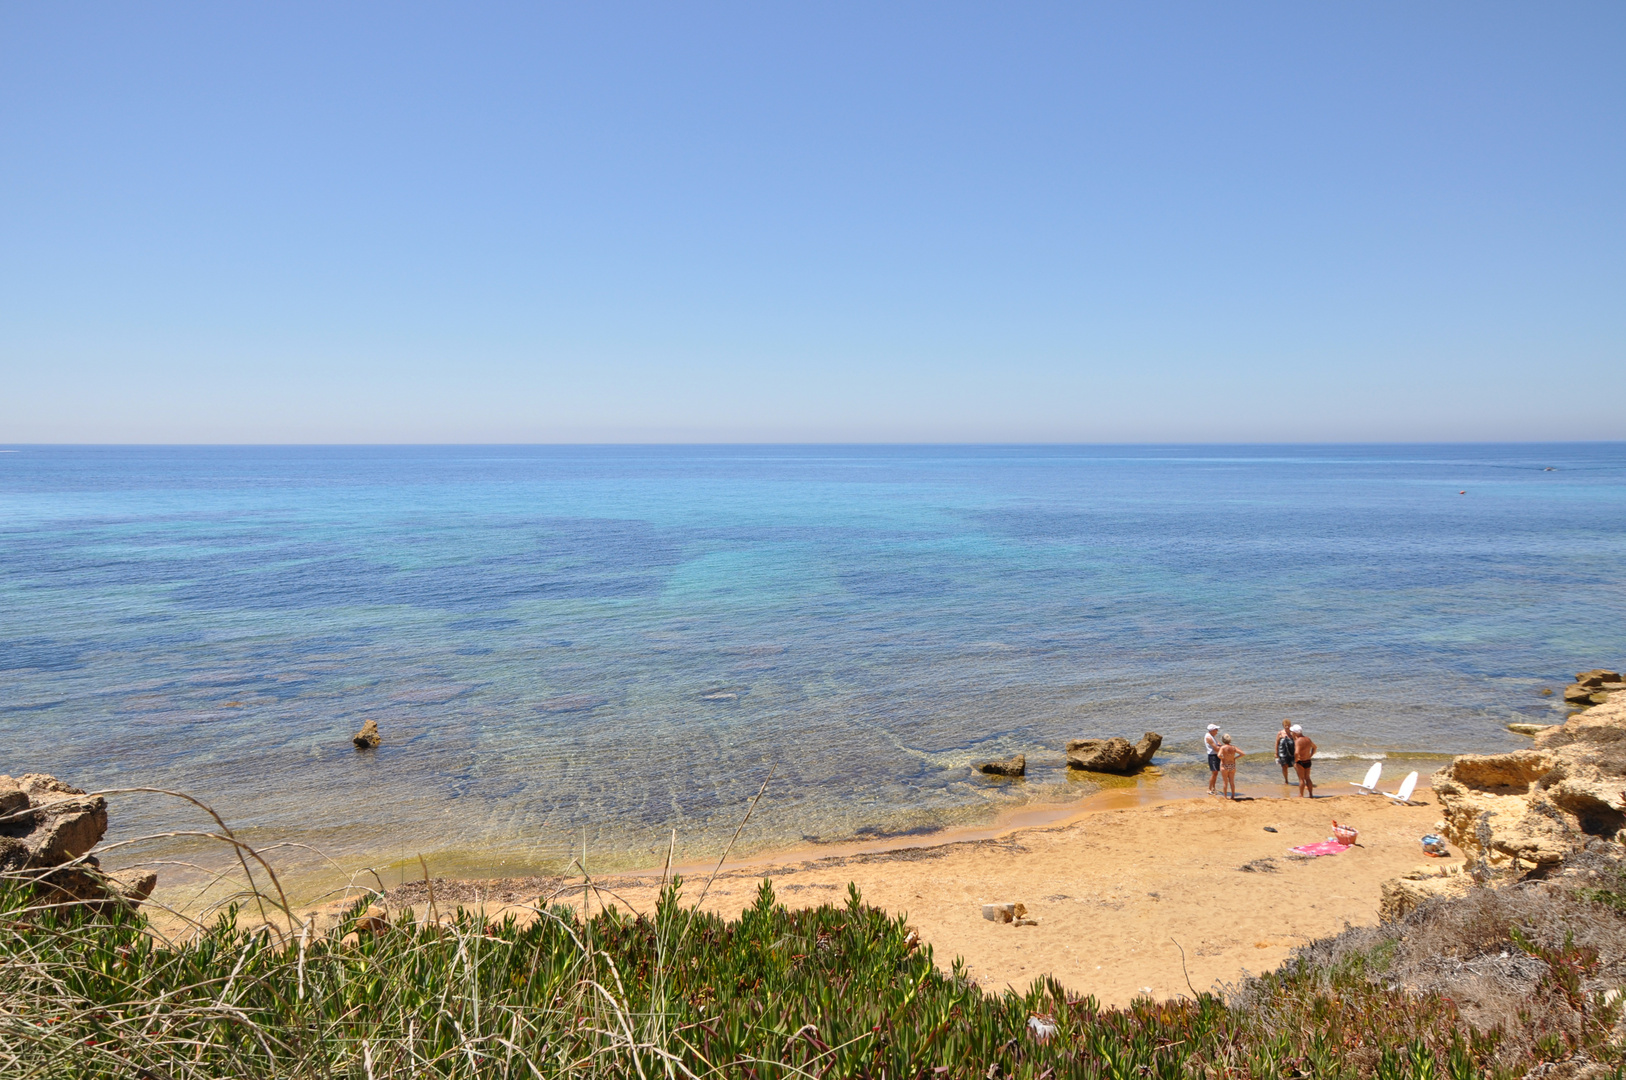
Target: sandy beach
{"x": 1157, "y": 898}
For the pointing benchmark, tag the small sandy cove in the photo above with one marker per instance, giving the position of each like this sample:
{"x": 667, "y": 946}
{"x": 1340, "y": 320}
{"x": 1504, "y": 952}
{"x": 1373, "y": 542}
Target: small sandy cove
{"x": 1118, "y": 893}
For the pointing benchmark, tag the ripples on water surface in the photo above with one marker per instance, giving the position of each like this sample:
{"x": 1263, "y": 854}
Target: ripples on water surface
{"x": 609, "y": 643}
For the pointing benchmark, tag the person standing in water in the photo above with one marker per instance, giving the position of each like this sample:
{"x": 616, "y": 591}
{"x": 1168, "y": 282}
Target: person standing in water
{"x": 1285, "y": 755}
{"x": 1228, "y": 755}
{"x": 1211, "y": 741}
{"x": 1303, "y": 758}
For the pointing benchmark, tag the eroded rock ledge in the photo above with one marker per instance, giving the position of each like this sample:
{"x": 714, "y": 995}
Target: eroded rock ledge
{"x": 1541, "y": 804}
{"x": 1528, "y": 811}
{"x": 47, "y": 831}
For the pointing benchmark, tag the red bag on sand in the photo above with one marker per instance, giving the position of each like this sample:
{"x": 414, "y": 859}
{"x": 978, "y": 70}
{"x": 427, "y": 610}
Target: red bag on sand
{"x": 1345, "y": 834}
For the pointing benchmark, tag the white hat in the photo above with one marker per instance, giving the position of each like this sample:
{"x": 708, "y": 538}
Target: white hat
{"x": 1213, "y": 727}
{"x": 1296, "y": 727}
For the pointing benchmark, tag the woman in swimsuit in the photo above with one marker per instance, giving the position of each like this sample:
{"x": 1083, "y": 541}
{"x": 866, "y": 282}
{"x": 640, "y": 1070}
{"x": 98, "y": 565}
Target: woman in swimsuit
{"x": 1284, "y": 750}
{"x": 1228, "y": 755}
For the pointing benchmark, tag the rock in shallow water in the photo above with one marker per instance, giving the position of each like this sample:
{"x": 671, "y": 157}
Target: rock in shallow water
{"x": 1016, "y": 766}
{"x": 368, "y": 737}
{"x": 1583, "y": 694}
{"x": 1114, "y": 755}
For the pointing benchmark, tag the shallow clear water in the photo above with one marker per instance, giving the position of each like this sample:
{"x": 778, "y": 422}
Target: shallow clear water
{"x": 603, "y": 644}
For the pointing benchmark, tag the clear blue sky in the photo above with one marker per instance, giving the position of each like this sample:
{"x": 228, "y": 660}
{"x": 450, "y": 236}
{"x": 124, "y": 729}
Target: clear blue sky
{"x": 820, "y": 222}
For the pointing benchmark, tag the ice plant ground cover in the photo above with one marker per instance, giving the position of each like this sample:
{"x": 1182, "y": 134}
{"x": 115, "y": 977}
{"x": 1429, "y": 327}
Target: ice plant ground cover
{"x": 833, "y": 991}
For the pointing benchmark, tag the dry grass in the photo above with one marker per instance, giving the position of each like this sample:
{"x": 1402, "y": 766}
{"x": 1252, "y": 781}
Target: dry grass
{"x": 1500, "y": 954}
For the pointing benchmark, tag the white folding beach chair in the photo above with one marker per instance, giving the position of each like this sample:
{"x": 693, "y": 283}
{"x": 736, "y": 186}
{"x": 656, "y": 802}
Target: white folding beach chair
{"x": 1407, "y": 786}
{"x": 1369, "y": 786}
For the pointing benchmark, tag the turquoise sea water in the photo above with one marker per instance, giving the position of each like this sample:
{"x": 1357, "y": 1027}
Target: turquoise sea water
{"x": 604, "y": 644}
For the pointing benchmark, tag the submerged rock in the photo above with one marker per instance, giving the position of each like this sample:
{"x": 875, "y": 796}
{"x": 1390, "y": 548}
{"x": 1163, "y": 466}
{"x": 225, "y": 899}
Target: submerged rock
{"x": 368, "y": 737}
{"x": 572, "y": 703}
{"x": 1016, "y": 766}
{"x": 1114, "y": 755}
{"x": 723, "y": 693}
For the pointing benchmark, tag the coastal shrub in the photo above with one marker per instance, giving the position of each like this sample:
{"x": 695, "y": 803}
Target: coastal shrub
{"x": 1534, "y": 967}
{"x": 1609, "y": 890}
{"x": 835, "y": 991}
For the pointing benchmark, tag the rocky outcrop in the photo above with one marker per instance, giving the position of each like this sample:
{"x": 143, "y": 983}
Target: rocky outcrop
{"x": 1593, "y": 687}
{"x": 1114, "y": 755}
{"x": 47, "y": 831}
{"x": 368, "y": 737}
{"x": 51, "y": 822}
{"x": 1016, "y": 766}
{"x": 1538, "y": 805}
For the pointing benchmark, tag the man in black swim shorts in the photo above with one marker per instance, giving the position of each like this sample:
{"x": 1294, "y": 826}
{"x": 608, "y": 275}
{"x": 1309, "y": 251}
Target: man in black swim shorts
{"x": 1303, "y": 758}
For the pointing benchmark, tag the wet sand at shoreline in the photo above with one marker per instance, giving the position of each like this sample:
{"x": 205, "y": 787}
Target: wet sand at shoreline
{"x": 1119, "y": 893}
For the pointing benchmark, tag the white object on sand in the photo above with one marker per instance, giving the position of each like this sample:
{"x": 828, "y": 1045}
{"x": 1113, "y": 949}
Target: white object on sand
{"x": 1407, "y": 786}
{"x": 1369, "y": 786}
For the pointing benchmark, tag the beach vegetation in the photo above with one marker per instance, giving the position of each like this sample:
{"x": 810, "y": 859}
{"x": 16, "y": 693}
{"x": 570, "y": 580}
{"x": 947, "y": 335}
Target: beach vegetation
{"x": 841, "y": 990}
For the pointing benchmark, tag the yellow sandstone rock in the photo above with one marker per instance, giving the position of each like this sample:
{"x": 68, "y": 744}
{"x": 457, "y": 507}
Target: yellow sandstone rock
{"x": 1538, "y": 805}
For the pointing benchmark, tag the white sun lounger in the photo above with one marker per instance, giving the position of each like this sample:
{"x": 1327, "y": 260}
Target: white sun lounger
{"x": 1407, "y": 786}
{"x": 1369, "y": 786}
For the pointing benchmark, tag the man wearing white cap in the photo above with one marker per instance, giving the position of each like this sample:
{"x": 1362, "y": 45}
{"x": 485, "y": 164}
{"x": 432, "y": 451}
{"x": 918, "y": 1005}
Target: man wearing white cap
{"x": 1211, "y": 740}
{"x": 1303, "y": 756}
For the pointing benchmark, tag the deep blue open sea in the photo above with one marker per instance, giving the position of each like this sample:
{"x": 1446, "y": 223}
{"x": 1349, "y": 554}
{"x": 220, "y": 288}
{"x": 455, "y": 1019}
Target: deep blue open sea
{"x": 567, "y": 643}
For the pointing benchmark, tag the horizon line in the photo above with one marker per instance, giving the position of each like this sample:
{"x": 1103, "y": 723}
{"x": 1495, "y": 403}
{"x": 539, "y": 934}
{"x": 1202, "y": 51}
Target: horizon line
{"x": 607, "y": 444}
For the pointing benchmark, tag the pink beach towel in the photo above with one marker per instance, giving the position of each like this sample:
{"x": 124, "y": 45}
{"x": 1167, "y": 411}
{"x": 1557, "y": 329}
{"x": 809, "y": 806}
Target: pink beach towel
{"x": 1326, "y": 847}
